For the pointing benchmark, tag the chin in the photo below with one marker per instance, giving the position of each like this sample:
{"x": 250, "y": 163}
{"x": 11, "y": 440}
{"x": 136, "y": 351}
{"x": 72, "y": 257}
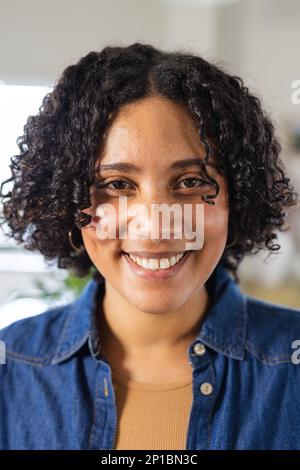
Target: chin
{"x": 149, "y": 304}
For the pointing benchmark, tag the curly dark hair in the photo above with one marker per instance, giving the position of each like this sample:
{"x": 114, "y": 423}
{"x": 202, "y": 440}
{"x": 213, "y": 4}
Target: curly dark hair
{"x": 55, "y": 169}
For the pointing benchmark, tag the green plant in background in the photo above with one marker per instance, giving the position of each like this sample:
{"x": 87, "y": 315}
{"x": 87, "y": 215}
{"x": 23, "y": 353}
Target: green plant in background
{"x": 76, "y": 284}
{"x": 71, "y": 284}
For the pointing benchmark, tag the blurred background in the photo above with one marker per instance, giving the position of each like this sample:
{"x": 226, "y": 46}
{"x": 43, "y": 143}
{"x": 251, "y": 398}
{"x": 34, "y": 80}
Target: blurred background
{"x": 258, "y": 40}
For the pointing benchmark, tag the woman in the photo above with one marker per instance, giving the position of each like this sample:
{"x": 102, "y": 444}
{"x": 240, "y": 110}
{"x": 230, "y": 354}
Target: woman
{"x": 161, "y": 350}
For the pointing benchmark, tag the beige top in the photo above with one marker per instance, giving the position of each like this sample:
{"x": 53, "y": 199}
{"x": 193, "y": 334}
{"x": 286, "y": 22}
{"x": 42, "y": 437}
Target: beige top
{"x": 150, "y": 416}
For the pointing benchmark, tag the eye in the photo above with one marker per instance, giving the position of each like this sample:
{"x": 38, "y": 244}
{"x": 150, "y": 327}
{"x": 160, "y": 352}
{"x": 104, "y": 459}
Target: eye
{"x": 114, "y": 185}
{"x": 193, "y": 182}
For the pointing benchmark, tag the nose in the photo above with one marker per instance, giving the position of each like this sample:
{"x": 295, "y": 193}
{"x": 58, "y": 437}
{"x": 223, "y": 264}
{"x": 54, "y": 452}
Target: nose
{"x": 156, "y": 221}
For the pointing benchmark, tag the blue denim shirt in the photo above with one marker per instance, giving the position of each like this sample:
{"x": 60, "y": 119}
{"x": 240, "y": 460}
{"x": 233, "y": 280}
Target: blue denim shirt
{"x": 56, "y": 390}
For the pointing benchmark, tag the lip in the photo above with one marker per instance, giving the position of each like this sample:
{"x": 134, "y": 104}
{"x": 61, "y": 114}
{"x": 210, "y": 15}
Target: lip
{"x": 157, "y": 274}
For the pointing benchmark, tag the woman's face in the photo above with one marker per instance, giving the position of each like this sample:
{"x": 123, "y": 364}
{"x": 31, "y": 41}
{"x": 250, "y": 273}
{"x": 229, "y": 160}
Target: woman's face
{"x": 152, "y": 135}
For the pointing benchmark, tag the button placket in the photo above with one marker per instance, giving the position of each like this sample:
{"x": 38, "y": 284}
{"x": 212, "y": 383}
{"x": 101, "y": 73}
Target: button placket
{"x": 206, "y": 388}
{"x": 199, "y": 349}
{"x": 198, "y": 434}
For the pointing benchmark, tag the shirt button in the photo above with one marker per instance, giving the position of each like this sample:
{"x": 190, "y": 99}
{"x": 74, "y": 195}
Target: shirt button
{"x": 199, "y": 349}
{"x": 206, "y": 388}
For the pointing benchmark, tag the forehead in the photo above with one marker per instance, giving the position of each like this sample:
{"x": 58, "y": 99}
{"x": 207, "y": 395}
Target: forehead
{"x": 152, "y": 131}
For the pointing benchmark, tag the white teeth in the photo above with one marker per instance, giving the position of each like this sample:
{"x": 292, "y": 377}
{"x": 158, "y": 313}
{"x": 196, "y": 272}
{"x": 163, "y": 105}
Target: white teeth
{"x": 155, "y": 263}
{"x": 172, "y": 260}
{"x": 164, "y": 263}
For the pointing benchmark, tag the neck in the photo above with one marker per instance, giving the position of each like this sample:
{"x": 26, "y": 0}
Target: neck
{"x": 135, "y": 333}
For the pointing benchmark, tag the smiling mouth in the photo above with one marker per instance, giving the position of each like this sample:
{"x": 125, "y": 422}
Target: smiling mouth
{"x": 156, "y": 264}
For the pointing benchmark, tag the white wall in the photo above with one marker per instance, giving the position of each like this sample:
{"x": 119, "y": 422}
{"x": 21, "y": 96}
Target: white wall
{"x": 38, "y": 39}
{"x": 260, "y": 39}
{"x": 191, "y": 27}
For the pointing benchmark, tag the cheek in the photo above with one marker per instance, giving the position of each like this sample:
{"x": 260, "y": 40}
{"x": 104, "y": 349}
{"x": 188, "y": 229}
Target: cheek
{"x": 104, "y": 252}
{"x": 96, "y": 248}
{"x": 216, "y": 219}
{"x": 215, "y": 224}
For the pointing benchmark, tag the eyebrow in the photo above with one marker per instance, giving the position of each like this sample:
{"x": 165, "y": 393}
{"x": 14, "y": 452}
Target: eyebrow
{"x": 128, "y": 167}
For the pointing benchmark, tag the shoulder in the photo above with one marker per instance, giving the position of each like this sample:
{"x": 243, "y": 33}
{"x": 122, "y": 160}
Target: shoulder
{"x": 54, "y": 335}
{"x": 35, "y": 338}
{"x": 272, "y": 330}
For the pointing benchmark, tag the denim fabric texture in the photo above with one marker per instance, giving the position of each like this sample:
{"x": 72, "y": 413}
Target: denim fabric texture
{"x": 56, "y": 390}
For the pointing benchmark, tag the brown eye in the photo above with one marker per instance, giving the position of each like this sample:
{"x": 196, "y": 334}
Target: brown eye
{"x": 114, "y": 185}
{"x": 193, "y": 182}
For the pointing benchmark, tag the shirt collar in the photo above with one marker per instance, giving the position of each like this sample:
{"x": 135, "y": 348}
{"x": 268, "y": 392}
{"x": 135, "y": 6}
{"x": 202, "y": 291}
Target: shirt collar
{"x": 223, "y": 329}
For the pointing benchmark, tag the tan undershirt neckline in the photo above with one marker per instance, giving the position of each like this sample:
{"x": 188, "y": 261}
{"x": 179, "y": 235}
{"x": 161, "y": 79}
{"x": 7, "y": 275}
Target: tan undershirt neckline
{"x": 137, "y": 385}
